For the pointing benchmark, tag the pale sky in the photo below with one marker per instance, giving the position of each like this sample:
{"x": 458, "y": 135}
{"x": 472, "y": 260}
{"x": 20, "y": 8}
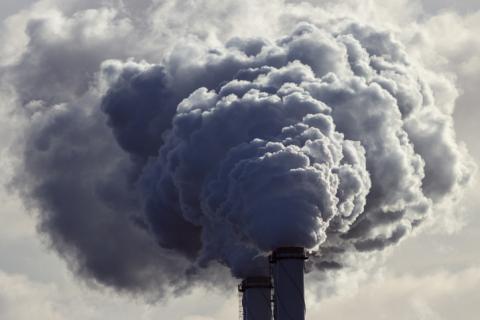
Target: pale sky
{"x": 431, "y": 276}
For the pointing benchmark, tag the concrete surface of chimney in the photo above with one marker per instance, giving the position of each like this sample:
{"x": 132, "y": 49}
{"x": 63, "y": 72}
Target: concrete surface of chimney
{"x": 256, "y": 299}
{"x": 287, "y": 271}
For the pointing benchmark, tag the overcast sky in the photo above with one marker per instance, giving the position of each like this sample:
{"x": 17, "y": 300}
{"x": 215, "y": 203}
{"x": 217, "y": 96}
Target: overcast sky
{"x": 434, "y": 275}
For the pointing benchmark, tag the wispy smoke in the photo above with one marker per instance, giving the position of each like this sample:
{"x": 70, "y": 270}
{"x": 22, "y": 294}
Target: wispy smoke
{"x": 148, "y": 175}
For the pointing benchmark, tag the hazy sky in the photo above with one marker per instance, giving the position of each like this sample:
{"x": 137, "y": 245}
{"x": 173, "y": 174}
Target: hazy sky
{"x": 431, "y": 276}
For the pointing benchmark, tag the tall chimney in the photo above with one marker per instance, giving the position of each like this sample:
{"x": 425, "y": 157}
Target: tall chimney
{"x": 256, "y": 298}
{"x": 287, "y": 272}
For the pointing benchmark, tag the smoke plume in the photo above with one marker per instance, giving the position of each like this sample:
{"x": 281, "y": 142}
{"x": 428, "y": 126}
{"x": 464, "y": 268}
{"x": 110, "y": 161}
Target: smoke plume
{"x": 148, "y": 176}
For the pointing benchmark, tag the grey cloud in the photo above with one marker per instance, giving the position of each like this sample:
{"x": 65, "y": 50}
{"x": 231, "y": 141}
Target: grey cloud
{"x": 64, "y": 52}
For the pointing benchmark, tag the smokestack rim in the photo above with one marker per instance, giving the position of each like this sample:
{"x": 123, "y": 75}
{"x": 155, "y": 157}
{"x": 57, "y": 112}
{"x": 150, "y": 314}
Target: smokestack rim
{"x": 288, "y": 253}
{"x": 255, "y": 283}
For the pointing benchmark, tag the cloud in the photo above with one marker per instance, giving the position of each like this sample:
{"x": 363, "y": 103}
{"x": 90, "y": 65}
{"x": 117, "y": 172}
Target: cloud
{"x": 36, "y": 300}
{"x": 53, "y": 71}
{"x": 438, "y": 295}
{"x": 23, "y": 298}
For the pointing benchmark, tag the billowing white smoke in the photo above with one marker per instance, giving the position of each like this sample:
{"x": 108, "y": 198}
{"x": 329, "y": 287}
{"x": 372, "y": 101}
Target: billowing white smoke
{"x": 259, "y": 165}
{"x": 319, "y": 139}
{"x": 329, "y": 138}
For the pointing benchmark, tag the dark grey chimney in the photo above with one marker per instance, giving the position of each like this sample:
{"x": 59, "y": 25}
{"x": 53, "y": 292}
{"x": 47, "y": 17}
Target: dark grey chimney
{"x": 287, "y": 271}
{"x": 256, "y": 298}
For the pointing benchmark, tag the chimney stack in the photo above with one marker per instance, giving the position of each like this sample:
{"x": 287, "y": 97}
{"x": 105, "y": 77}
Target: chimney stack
{"x": 287, "y": 271}
{"x": 256, "y": 298}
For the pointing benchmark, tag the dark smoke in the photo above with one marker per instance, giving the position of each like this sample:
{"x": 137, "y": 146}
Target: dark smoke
{"x": 327, "y": 138}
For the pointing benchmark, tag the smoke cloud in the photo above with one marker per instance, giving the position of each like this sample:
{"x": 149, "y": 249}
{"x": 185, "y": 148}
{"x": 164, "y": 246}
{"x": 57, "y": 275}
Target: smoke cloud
{"x": 156, "y": 176}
